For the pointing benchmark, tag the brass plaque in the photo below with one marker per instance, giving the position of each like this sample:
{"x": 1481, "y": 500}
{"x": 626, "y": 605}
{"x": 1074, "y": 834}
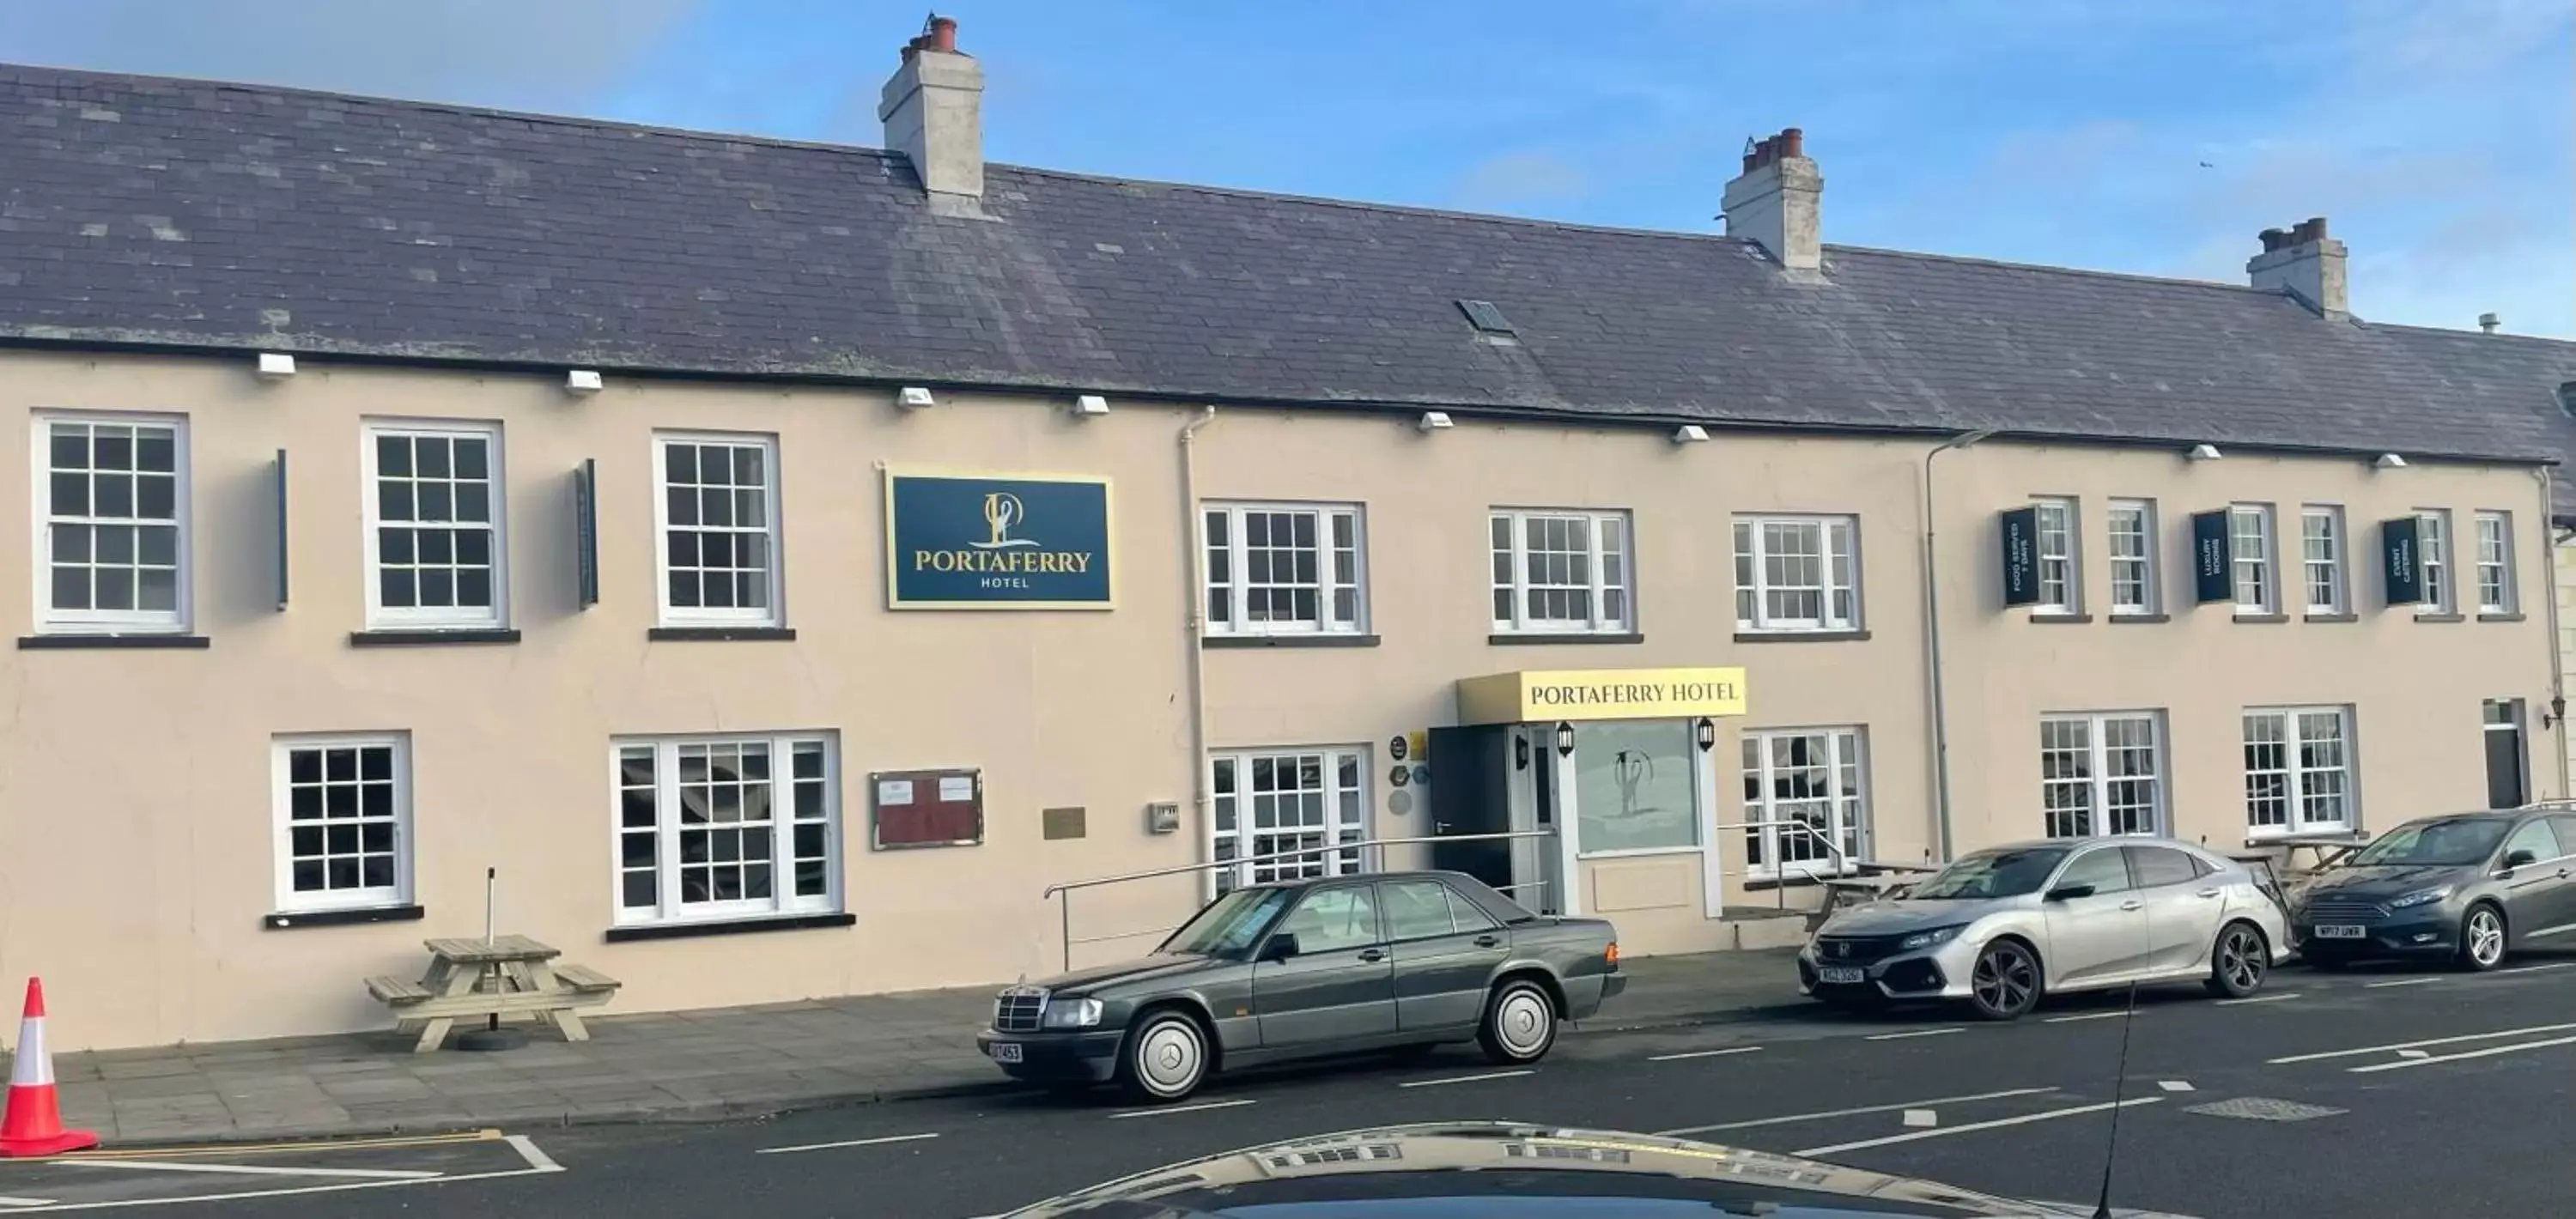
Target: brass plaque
{"x": 1062, "y": 822}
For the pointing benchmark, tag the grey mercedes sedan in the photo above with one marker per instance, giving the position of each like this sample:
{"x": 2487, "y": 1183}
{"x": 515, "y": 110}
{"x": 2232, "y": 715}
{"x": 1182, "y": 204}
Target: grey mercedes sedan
{"x": 1313, "y": 967}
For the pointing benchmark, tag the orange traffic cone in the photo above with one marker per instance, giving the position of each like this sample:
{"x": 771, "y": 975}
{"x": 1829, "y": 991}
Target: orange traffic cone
{"x": 34, "y": 1125}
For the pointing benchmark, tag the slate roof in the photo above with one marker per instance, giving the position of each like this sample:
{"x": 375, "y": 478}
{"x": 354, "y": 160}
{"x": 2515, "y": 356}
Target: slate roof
{"x": 200, "y": 215}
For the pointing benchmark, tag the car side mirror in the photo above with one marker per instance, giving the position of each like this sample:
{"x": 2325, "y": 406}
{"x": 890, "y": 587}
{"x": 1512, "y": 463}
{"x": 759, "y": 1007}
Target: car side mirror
{"x": 2519, "y": 859}
{"x": 1279, "y": 947}
{"x": 2068, "y": 893}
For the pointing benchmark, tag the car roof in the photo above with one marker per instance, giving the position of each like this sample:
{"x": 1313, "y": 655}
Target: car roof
{"x": 2097, "y": 840}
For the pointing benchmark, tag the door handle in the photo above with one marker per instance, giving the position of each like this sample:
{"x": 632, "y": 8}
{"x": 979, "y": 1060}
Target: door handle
{"x": 1439, "y": 827}
{"x": 2562, "y": 873}
{"x": 2133, "y": 905}
{"x": 1372, "y": 955}
{"x": 2208, "y": 893}
{"x": 1488, "y": 941}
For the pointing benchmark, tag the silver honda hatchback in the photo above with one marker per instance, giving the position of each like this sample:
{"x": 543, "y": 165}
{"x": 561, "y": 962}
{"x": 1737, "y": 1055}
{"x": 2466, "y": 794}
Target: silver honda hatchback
{"x": 2001, "y": 927}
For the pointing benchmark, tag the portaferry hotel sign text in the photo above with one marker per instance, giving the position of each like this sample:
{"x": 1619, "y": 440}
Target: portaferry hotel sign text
{"x": 997, "y": 541}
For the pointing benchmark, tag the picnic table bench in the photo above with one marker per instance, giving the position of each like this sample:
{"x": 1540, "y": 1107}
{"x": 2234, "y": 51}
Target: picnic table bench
{"x": 506, "y": 976}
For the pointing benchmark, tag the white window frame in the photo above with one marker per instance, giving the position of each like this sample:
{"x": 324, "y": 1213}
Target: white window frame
{"x": 2294, "y": 733}
{"x": 2096, "y": 780}
{"x": 1518, "y": 622}
{"x": 461, "y": 617}
{"x": 2262, "y": 566}
{"x": 775, "y": 613}
{"x": 2435, "y": 562}
{"x": 282, "y": 806}
{"x": 668, "y": 908}
{"x": 1235, "y": 581}
{"x": 1346, "y": 814}
{"x": 2494, "y": 560}
{"x": 2326, "y": 569}
{"x": 1848, "y": 822}
{"x": 2066, "y": 556}
{"x": 1837, "y": 539}
{"x": 51, "y": 621}
{"x": 2133, "y": 555}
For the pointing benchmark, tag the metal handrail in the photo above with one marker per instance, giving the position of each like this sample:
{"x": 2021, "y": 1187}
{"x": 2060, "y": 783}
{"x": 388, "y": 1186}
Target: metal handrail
{"x": 1064, "y": 892}
{"x": 1780, "y": 891}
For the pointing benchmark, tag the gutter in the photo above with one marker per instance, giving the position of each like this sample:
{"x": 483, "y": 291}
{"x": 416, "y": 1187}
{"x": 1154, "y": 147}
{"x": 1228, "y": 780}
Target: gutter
{"x": 1932, "y": 649}
{"x": 2557, "y": 658}
{"x": 1194, "y": 598}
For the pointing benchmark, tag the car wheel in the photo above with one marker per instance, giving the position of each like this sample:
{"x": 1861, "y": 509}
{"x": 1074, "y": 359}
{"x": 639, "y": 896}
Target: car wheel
{"x": 2004, "y": 983}
{"x": 2238, "y": 962}
{"x": 2482, "y": 938}
{"x": 1520, "y": 1023}
{"x": 1165, "y": 1058}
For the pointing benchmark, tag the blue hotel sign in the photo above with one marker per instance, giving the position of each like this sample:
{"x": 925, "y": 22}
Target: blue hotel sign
{"x": 1001, "y": 541}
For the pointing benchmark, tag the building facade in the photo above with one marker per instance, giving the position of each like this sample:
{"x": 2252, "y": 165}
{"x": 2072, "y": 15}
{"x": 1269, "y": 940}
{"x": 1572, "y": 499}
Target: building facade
{"x": 751, "y": 650}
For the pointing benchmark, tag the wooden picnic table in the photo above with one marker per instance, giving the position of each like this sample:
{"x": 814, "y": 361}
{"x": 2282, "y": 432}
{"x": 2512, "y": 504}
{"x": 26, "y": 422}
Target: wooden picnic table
{"x": 506, "y": 975}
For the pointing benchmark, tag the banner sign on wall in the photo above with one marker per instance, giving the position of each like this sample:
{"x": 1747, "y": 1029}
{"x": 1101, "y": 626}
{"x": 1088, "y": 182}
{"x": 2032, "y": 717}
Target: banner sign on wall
{"x": 2021, "y": 556}
{"x": 1013, "y": 541}
{"x": 2211, "y": 577}
{"x": 2401, "y": 564}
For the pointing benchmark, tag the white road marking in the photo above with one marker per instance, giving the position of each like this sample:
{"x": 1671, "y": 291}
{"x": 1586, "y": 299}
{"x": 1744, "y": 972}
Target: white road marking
{"x": 1913, "y": 1033}
{"x": 2488, "y": 1052}
{"x": 2023, "y": 1120}
{"x": 6, "y": 1200}
{"x": 1813, "y": 1117}
{"x": 891, "y": 1138}
{"x": 2255, "y": 999}
{"x": 2175, "y": 1085}
{"x": 2086, "y": 1016}
{"x": 1737, "y": 1049}
{"x": 2414, "y": 1053}
{"x": 1917, "y": 1119}
{"x": 241, "y": 1195}
{"x": 2409, "y": 1045}
{"x": 260, "y": 1170}
{"x": 527, "y": 1149}
{"x": 2524, "y": 969}
{"x": 1199, "y": 1107}
{"x": 2402, "y": 982}
{"x": 1464, "y": 1079}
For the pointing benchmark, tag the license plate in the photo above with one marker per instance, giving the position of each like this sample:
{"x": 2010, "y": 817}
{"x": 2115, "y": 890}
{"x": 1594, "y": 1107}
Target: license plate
{"x": 1841, "y": 975}
{"x": 1006, "y": 1051}
{"x": 2332, "y": 931}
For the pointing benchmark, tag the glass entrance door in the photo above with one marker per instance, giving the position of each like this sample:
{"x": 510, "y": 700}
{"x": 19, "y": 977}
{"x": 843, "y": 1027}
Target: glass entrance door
{"x": 2505, "y": 787}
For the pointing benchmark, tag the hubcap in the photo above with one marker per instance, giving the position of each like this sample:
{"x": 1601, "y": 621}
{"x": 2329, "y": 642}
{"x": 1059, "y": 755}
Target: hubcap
{"x": 1521, "y": 1023}
{"x": 1168, "y": 1057}
{"x": 2486, "y": 938}
{"x": 2240, "y": 959}
{"x": 2004, "y": 980}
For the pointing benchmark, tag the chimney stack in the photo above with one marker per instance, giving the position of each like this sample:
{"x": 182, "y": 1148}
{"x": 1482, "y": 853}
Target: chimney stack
{"x": 1774, "y": 201}
{"x": 2305, "y": 262}
{"x": 932, "y": 108}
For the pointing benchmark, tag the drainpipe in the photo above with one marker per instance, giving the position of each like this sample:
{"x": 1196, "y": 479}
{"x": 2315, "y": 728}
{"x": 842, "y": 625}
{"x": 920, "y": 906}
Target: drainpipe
{"x": 2557, "y": 658}
{"x": 1195, "y": 598}
{"x": 1932, "y": 647}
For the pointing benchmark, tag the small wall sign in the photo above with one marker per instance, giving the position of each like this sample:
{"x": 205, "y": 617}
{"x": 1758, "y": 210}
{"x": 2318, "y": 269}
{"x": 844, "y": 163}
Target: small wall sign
{"x": 997, "y": 541}
{"x": 2401, "y": 560}
{"x": 2211, "y": 578}
{"x": 2021, "y": 556}
{"x": 927, "y": 808}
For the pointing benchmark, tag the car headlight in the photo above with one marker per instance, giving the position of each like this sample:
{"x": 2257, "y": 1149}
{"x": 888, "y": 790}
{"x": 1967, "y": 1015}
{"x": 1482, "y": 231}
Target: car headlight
{"x": 1070, "y": 1014}
{"x": 1926, "y": 939}
{"x": 2420, "y": 897}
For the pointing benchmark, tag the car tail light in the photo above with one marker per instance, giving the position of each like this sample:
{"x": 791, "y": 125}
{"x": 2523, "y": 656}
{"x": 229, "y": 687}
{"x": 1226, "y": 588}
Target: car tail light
{"x": 1611, "y": 954}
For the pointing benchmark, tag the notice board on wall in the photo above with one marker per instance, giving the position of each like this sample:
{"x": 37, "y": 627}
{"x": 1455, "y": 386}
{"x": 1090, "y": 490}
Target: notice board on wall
{"x": 927, "y": 808}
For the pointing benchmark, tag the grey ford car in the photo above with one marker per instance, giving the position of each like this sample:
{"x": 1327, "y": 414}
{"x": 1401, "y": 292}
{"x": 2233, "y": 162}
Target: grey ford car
{"x": 1312, "y": 967}
{"x": 2471, "y": 887}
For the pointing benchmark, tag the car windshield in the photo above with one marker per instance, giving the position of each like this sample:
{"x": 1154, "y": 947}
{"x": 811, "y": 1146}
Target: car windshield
{"x": 2450, "y": 842}
{"x": 2005, "y": 872}
{"x": 1230, "y": 924}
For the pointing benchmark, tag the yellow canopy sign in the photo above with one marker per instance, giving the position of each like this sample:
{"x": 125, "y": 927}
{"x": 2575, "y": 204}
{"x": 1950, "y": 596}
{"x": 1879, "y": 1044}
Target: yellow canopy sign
{"x": 1537, "y": 695}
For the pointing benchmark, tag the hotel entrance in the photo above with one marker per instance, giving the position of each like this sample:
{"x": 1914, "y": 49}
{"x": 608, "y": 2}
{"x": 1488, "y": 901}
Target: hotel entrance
{"x": 1617, "y": 769}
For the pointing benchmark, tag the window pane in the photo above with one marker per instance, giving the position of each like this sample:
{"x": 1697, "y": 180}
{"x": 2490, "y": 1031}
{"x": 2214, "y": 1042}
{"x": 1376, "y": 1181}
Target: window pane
{"x": 1634, "y": 785}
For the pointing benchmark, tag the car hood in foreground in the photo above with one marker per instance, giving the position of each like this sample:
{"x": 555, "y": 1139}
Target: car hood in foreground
{"x": 2371, "y": 883}
{"x": 1508, "y": 1170}
{"x": 1906, "y": 914}
{"x": 1141, "y": 969}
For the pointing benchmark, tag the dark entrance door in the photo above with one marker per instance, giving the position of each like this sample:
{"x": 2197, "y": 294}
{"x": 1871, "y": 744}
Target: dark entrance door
{"x": 2504, "y": 753}
{"x": 1469, "y": 767}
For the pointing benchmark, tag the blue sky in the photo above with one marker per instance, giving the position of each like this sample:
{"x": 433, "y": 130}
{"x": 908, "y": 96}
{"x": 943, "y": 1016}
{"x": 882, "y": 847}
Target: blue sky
{"x": 2153, "y": 137}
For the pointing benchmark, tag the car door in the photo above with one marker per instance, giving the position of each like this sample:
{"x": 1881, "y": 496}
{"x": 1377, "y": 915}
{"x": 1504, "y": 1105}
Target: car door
{"x": 1444, "y": 950}
{"x": 2096, "y": 922}
{"x": 2538, "y": 891}
{"x": 2182, "y": 907}
{"x": 1339, "y": 985}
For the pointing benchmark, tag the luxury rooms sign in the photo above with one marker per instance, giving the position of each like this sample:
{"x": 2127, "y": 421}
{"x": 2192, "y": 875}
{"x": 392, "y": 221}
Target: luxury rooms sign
{"x": 1532, "y": 696}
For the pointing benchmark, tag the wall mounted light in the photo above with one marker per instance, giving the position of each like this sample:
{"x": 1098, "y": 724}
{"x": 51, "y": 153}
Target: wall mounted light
{"x": 1520, "y": 752}
{"x": 275, "y": 366}
{"x": 1090, "y": 406}
{"x": 2557, "y": 712}
{"x": 2203, "y": 452}
{"x": 1705, "y": 732}
{"x": 582, "y": 382}
{"x": 1689, "y": 433}
{"x": 1433, "y": 421}
{"x": 1564, "y": 739}
{"x": 2389, "y": 461}
{"x": 914, "y": 397}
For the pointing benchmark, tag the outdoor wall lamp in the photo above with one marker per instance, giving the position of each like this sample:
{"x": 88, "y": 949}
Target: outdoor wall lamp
{"x": 2203, "y": 452}
{"x": 1520, "y": 753}
{"x": 1705, "y": 732}
{"x": 275, "y": 366}
{"x": 2557, "y": 713}
{"x": 1564, "y": 739}
{"x": 2389, "y": 461}
{"x": 583, "y": 382}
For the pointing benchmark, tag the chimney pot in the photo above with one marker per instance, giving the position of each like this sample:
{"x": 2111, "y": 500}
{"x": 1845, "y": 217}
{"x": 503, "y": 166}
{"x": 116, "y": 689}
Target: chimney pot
{"x": 932, "y": 111}
{"x": 2488, "y": 322}
{"x": 2304, "y": 262}
{"x": 1774, "y": 201}
{"x": 943, "y": 34}
{"x": 1793, "y": 142}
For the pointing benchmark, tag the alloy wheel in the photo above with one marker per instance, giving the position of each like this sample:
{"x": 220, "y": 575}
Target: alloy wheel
{"x": 2241, "y": 959}
{"x": 2485, "y": 932}
{"x": 2005, "y": 982}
